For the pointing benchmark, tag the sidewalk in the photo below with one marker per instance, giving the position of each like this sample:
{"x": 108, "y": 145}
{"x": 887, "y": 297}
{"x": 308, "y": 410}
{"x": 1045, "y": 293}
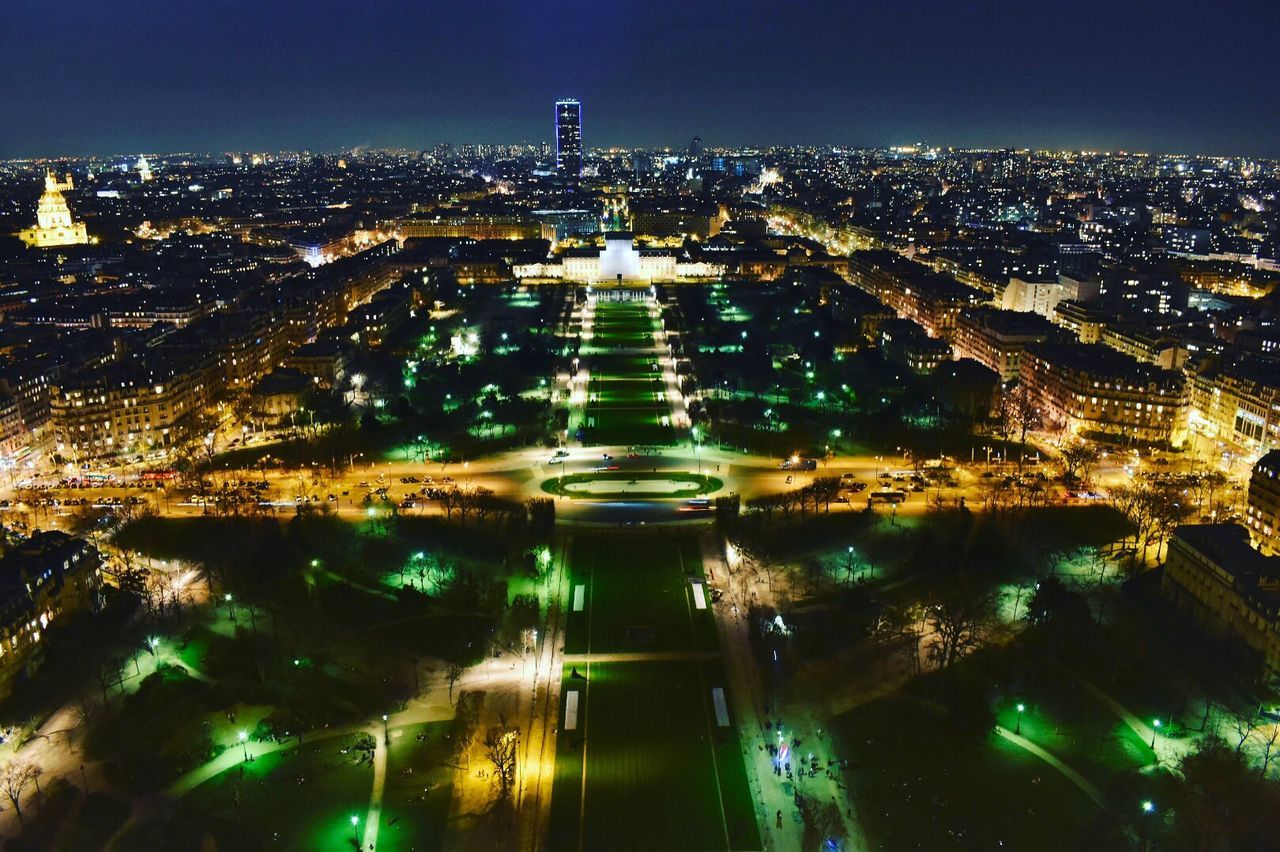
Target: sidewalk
{"x": 773, "y": 792}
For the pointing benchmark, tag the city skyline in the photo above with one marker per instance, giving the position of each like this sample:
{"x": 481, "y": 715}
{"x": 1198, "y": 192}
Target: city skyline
{"x": 1130, "y": 79}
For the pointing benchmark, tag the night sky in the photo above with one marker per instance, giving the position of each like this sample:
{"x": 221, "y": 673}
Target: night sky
{"x": 113, "y": 76}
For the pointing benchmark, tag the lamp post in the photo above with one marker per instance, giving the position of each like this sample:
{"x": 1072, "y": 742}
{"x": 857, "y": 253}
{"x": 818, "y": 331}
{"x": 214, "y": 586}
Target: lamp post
{"x": 1018, "y": 727}
{"x": 244, "y": 744}
{"x": 386, "y": 735}
{"x": 355, "y": 829}
{"x": 1155, "y": 727}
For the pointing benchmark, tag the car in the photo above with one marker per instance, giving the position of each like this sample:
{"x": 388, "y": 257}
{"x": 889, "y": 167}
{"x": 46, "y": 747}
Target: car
{"x": 331, "y": 498}
{"x": 555, "y": 460}
{"x": 447, "y": 480}
{"x": 562, "y": 453}
{"x": 846, "y": 477}
{"x": 362, "y": 484}
{"x": 633, "y": 455}
{"x": 606, "y": 456}
{"x": 841, "y": 498}
{"x": 408, "y": 504}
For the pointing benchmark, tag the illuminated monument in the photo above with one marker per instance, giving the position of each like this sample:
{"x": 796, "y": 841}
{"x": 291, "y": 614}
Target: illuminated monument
{"x": 54, "y": 226}
{"x": 144, "y": 169}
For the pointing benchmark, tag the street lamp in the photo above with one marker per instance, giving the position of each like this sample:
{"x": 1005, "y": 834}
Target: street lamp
{"x": 386, "y": 735}
{"x": 1155, "y": 727}
{"x": 1148, "y": 806}
{"x": 244, "y": 744}
{"x": 355, "y": 830}
{"x": 1018, "y": 728}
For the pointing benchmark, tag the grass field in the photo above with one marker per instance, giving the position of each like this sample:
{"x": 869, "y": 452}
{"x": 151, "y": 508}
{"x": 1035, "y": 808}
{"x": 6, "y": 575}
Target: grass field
{"x": 637, "y": 596}
{"x": 304, "y": 798}
{"x": 660, "y": 773}
{"x": 629, "y": 484}
{"x": 625, "y": 397}
{"x": 647, "y": 766}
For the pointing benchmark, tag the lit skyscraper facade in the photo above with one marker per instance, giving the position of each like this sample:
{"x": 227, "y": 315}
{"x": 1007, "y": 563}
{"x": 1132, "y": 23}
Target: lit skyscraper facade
{"x": 569, "y": 138}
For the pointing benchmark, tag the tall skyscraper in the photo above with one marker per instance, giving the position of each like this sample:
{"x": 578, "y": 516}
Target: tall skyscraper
{"x": 569, "y": 138}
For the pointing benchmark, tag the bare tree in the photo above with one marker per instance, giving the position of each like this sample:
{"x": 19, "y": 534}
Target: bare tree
{"x": 960, "y": 616}
{"x": 500, "y": 747}
{"x": 14, "y": 779}
{"x": 1026, "y": 416}
{"x": 1268, "y": 740}
{"x": 1243, "y": 726}
{"x": 452, "y": 674}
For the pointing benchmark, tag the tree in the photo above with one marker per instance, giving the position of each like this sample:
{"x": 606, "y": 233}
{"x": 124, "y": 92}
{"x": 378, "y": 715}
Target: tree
{"x": 1077, "y": 462}
{"x": 1052, "y": 603}
{"x": 1221, "y": 803}
{"x": 960, "y": 614}
{"x": 14, "y": 779}
{"x": 452, "y": 674}
{"x": 1025, "y": 413}
{"x": 500, "y": 747}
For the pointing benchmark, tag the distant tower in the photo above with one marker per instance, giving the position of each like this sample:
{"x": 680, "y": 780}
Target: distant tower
{"x": 569, "y": 138}
{"x": 695, "y": 147}
{"x": 54, "y": 226}
{"x": 144, "y": 169}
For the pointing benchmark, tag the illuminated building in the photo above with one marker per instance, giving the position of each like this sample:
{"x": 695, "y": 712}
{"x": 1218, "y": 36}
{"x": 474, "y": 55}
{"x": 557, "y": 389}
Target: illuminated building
{"x": 478, "y": 227}
{"x": 676, "y": 219}
{"x": 912, "y": 290}
{"x": 996, "y": 338}
{"x": 569, "y": 138}
{"x": 1263, "y": 512}
{"x": 905, "y": 343}
{"x": 119, "y": 411}
{"x": 1238, "y": 406}
{"x": 54, "y": 226}
{"x": 1041, "y": 297}
{"x": 1098, "y": 393}
{"x": 619, "y": 260}
{"x": 1085, "y": 321}
{"x": 41, "y": 579}
{"x": 144, "y": 169}
{"x": 1225, "y": 587}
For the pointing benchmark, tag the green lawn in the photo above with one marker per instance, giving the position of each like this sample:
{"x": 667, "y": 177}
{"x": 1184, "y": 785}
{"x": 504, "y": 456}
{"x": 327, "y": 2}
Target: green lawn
{"x": 660, "y": 774}
{"x": 637, "y": 596}
{"x": 631, "y": 484}
{"x": 625, "y": 404}
{"x": 415, "y": 804}
{"x": 918, "y": 785}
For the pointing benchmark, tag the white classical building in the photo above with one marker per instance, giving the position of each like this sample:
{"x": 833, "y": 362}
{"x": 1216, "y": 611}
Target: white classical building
{"x": 619, "y": 260}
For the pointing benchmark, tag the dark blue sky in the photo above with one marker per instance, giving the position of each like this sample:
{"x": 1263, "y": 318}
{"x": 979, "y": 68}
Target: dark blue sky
{"x": 103, "y": 76}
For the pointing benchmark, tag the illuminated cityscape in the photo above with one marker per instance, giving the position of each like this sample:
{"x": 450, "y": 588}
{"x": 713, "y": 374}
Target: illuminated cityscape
{"x": 842, "y": 443}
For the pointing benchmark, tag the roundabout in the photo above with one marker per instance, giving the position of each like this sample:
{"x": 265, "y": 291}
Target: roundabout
{"x": 632, "y": 485}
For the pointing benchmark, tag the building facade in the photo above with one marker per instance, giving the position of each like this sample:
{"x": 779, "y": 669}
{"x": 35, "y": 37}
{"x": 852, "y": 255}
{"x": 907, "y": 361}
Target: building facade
{"x": 995, "y": 338}
{"x": 1263, "y": 510}
{"x": 1095, "y": 392}
{"x": 1228, "y": 589}
{"x": 43, "y": 579}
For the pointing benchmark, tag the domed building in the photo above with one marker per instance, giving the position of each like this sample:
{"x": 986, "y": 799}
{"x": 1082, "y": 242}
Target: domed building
{"x": 54, "y": 226}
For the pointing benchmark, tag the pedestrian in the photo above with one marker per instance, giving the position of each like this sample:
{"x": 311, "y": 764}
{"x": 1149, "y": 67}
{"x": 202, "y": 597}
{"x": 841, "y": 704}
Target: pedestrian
{"x": 778, "y": 818}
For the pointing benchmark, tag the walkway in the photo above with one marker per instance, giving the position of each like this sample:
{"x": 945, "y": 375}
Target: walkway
{"x": 773, "y": 794}
{"x": 1067, "y": 772}
{"x": 641, "y": 657}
